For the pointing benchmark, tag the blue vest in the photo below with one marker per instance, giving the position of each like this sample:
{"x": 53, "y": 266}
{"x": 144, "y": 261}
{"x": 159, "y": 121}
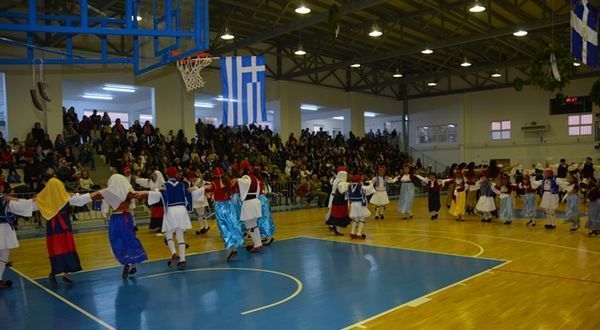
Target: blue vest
{"x": 175, "y": 193}
{"x": 355, "y": 194}
{"x": 553, "y": 186}
{"x": 385, "y": 184}
{"x": 5, "y": 216}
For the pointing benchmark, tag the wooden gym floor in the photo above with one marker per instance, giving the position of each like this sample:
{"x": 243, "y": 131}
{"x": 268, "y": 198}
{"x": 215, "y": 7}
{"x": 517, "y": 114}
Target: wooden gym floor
{"x": 551, "y": 279}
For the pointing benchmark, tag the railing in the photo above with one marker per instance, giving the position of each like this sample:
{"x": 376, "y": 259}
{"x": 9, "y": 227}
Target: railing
{"x": 436, "y": 166}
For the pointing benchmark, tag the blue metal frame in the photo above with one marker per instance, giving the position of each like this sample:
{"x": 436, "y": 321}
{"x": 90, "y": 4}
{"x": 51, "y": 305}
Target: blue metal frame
{"x": 69, "y": 25}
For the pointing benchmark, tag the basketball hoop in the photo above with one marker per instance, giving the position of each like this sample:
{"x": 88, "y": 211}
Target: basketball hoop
{"x": 190, "y": 68}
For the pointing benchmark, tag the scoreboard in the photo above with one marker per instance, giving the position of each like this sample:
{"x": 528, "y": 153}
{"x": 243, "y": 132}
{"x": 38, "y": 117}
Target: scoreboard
{"x": 570, "y": 105}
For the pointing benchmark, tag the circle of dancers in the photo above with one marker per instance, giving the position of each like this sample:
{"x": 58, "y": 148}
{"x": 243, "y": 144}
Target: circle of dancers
{"x": 484, "y": 191}
{"x": 240, "y": 205}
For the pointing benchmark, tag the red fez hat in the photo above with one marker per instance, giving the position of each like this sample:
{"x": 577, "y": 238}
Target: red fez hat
{"x": 218, "y": 172}
{"x": 357, "y": 178}
{"x": 172, "y": 172}
{"x": 341, "y": 168}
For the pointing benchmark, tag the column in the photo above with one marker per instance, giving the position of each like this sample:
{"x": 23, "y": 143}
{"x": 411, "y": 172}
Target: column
{"x": 290, "y": 119}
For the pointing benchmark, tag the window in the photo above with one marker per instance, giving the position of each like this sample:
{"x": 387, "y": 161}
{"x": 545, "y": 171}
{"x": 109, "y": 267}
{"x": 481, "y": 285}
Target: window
{"x": 144, "y": 118}
{"x": 317, "y": 128}
{"x": 3, "y": 109}
{"x": 580, "y": 125}
{"x": 437, "y": 134}
{"x": 501, "y": 130}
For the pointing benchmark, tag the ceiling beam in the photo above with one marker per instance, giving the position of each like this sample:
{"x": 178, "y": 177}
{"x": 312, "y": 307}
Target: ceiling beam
{"x": 300, "y": 24}
{"x": 443, "y": 43}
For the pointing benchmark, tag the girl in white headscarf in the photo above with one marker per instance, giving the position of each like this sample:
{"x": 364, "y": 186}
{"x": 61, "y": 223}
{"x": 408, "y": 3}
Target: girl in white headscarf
{"x": 338, "y": 203}
{"x": 157, "y": 211}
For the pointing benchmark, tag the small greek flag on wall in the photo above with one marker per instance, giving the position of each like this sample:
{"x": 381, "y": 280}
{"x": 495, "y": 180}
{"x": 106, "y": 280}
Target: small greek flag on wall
{"x": 584, "y": 32}
{"x": 243, "y": 81}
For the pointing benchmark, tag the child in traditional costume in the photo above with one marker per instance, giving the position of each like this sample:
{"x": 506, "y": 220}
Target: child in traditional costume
{"x": 338, "y": 203}
{"x": 251, "y": 208}
{"x": 229, "y": 225}
{"x": 156, "y": 182}
{"x": 55, "y": 204}
{"x": 593, "y": 198}
{"x": 126, "y": 247}
{"x": 10, "y": 207}
{"x": 199, "y": 205}
{"x": 357, "y": 194}
{"x": 504, "y": 191}
{"x": 380, "y": 199}
{"x": 265, "y": 222}
{"x": 571, "y": 189}
{"x": 549, "y": 197}
{"x": 529, "y": 208}
{"x": 433, "y": 193}
{"x": 407, "y": 192}
{"x": 176, "y": 221}
{"x": 485, "y": 204}
{"x": 457, "y": 206}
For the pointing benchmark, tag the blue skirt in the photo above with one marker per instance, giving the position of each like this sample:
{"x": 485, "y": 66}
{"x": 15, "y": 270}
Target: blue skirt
{"x": 265, "y": 223}
{"x": 126, "y": 247}
{"x": 230, "y": 226}
{"x": 407, "y": 197}
{"x": 506, "y": 211}
{"x": 572, "y": 213}
{"x": 529, "y": 208}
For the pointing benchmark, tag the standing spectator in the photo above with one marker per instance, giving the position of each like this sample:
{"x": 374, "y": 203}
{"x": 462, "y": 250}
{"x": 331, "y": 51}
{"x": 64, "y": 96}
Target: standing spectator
{"x": 316, "y": 191}
{"x": 70, "y": 134}
{"x": 106, "y": 119}
{"x": 38, "y": 132}
{"x": 118, "y": 127}
{"x": 84, "y": 128}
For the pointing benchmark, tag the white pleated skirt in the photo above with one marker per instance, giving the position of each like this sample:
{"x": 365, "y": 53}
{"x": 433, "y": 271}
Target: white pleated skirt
{"x": 175, "y": 218}
{"x": 8, "y": 237}
{"x": 380, "y": 198}
{"x": 251, "y": 209}
{"x": 357, "y": 210}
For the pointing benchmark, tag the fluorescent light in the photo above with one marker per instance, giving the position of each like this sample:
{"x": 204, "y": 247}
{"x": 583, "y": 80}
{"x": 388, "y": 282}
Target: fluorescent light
{"x": 520, "y": 33}
{"x": 477, "y": 8}
{"x": 204, "y": 105}
{"x": 465, "y": 64}
{"x": 355, "y": 65}
{"x": 431, "y": 84}
{"x": 120, "y": 86}
{"x": 451, "y": 125}
{"x": 338, "y": 118}
{"x": 576, "y": 64}
{"x": 227, "y": 35}
{"x": 222, "y": 99}
{"x": 309, "y": 107}
{"x": 97, "y": 96}
{"x": 397, "y": 75}
{"x": 375, "y": 32}
{"x": 270, "y": 112}
{"x": 370, "y": 114}
{"x": 118, "y": 89}
{"x": 496, "y": 74}
{"x": 427, "y": 51}
{"x": 302, "y": 9}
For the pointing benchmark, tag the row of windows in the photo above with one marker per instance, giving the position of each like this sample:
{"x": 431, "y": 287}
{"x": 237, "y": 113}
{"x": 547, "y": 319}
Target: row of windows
{"x": 499, "y": 130}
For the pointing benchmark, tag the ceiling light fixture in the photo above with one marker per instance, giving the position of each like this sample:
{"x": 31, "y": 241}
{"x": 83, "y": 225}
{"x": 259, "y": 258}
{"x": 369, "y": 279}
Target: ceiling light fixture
{"x": 118, "y": 88}
{"x": 496, "y": 74}
{"x": 302, "y": 9}
{"x": 355, "y": 65}
{"x": 520, "y": 33}
{"x": 397, "y": 75}
{"x": 222, "y": 99}
{"x": 477, "y": 7}
{"x": 465, "y": 63}
{"x": 97, "y": 96}
{"x": 227, "y": 35}
{"x": 427, "y": 51}
{"x": 370, "y": 114}
{"x": 203, "y": 105}
{"x": 375, "y": 31}
{"x": 309, "y": 107}
{"x": 300, "y": 50}
{"x": 576, "y": 64}
{"x": 431, "y": 84}
{"x": 338, "y": 117}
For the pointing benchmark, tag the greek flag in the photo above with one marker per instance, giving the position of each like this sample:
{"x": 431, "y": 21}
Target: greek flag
{"x": 243, "y": 81}
{"x": 584, "y": 32}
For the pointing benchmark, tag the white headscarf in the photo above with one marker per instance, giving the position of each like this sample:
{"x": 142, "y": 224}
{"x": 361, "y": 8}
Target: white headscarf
{"x": 160, "y": 181}
{"x": 117, "y": 190}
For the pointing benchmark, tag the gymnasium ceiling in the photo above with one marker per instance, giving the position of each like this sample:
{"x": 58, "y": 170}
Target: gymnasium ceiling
{"x": 446, "y": 26}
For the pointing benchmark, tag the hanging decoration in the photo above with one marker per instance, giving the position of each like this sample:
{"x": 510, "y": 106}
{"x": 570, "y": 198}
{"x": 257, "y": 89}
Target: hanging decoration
{"x": 334, "y": 19}
{"x": 552, "y": 68}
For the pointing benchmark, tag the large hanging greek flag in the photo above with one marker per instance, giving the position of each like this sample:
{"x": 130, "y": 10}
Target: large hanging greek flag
{"x": 243, "y": 80}
{"x": 584, "y": 32}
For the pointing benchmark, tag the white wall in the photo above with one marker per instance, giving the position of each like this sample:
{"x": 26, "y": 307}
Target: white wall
{"x": 473, "y": 113}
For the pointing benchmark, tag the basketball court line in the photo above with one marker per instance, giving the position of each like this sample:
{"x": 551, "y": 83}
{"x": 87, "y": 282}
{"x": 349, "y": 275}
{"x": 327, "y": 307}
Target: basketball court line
{"x": 64, "y": 300}
{"x": 156, "y": 260}
{"x": 299, "y": 285}
{"x": 360, "y": 324}
{"x": 403, "y": 248}
{"x": 549, "y": 276}
{"x": 481, "y": 249}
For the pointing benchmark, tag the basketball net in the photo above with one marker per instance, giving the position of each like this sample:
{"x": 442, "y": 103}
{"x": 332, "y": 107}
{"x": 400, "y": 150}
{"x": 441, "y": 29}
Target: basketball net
{"x": 190, "y": 68}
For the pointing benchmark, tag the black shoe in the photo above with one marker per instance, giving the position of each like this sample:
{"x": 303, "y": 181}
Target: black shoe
{"x": 436, "y": 216}
{"x": 507, "y": 222}
{"x": 187, "y": 246}
{"x": 135, "y": 228}
{"x": 529, "y": 222}
{"x": 133, "y": 270}
{"x": 432, "y": 217}
{"x": 66, "y": 279}
{"x": 268, "y": 241}
{"x": 181, "y": 265}
{"x": 574, "y": 228}
{"x": 249, "y": 247}
{"x": 381, "y": 217}
{"x": 550, "y": 226}
{"x": 173, "y": 261}
{"x": 376, "y": 217}
{"x": 6, "y": 284}
{"x": 53, "y": 281}
{"x": 8, "y": 264}
{"x": 231, "y": 255}
{"x": 483, "y": 220}
{"x": 125, "y": 273}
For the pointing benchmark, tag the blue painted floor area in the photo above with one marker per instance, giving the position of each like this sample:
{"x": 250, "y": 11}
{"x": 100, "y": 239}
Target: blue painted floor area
{"x": 343, "y": 283}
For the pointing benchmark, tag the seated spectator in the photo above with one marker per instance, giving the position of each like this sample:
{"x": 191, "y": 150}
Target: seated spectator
{"x": 86, "y": 156}
{"x": 316, "y": 191}
{"x": 85, "y": 182}
{"x": 71, "y": 135}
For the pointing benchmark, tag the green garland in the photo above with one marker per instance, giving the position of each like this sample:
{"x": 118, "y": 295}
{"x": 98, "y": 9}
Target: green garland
{"x": 540, "y": 66}
{"x": 595, "y": 93}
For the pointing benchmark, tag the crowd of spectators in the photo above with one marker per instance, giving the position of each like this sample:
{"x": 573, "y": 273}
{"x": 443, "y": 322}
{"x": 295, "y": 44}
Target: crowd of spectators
{"x": 296, "y": 168}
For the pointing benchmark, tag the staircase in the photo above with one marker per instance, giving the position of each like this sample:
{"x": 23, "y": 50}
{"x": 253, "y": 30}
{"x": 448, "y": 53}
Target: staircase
{"x": 103, "y": 171}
